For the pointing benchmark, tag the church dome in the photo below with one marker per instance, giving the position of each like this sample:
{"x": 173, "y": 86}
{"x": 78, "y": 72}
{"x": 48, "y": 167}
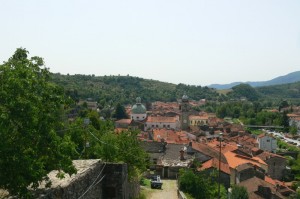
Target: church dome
{"x": 138, "y": 108}
{"x": 185, "y": 97}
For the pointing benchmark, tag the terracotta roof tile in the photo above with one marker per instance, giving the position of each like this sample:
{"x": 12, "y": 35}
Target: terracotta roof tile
{"x": 252, "y": 187}
{"x": 235, "y": 160}
{"x": 198, "y": 117}
{"x": 158, "y": 119}
{"x": 266, "y": 155}
{"x": 124, "y": 121}
{"x": 207, "y": 150}
{"x": 225, "y": 146}
{"x": 170, "y": 136}
{"x": 214, "y": 163}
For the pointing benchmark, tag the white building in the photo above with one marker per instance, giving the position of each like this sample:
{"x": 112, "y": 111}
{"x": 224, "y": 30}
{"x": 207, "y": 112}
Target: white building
{"x": 138, "y": 111}
{"x": 267, "y": 143}
{"x": 159, "y": 122}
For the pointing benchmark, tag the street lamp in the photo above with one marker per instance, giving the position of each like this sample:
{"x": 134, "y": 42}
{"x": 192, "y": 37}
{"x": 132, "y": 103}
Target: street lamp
{"x": 219, "y": 185}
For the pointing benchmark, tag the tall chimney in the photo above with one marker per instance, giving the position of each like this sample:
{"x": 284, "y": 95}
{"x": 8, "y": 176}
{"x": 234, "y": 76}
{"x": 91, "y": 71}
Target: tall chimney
{"x": 181, "y": 154}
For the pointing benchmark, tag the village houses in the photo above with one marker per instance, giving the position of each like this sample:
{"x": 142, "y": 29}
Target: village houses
{"x": 175, "y": 135}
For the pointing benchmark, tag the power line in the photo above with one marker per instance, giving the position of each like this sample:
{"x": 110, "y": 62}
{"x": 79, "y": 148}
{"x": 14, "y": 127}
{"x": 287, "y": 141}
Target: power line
{"x": 94, "y": 183}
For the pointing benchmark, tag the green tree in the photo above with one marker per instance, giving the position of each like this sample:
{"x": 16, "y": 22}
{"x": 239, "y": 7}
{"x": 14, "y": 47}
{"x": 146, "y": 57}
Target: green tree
{"x": 199, "y": 185}
{"x": 124, "y": 147}
{"x": 293, "y": 130}
{"x": 239, "y": 192}
{"x": 120, "y": 112}
{"x": 244, "y": 90}
{"x": 295, "y": 166}
{"x": 283, "y": 104}
{"x": 30, "y": 116}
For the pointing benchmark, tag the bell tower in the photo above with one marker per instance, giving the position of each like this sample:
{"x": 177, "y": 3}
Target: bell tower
{"x": 185, "y": 112}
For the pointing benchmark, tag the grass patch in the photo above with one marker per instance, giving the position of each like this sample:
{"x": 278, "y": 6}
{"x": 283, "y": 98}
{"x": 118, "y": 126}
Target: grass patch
{"x": 283, "y": 145}
{"x": 145, "y": 192}
{"x": 145, "y": 182}
{"x": 224, "y": 91}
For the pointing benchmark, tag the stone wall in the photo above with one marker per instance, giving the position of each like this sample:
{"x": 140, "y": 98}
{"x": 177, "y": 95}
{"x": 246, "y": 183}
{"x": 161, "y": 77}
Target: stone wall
{"x": 94, "y": 180}
{"x": 245, "y": 175}
{"x": 276, "y": 167}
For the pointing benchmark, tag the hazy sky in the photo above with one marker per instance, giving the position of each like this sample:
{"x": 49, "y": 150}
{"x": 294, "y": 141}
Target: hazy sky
{"x": 180, "y": 41}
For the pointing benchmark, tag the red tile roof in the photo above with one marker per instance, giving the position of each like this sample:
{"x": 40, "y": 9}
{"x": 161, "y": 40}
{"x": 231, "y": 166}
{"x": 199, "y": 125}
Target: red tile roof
{"x": 266, "y": 155}
{"x": 124, "y": 121}
{"x": 225, "y": 146}
{"x": 214, "y": 163}
{"x": 235, "y": 160}
{"x": 261, "y": 135}
{"x": 293, "y": 115}
{"x": 170, "y": 136}
{"x": 252, "y": 188}
{"x": 207, "y": 150}
{"x": 162, "y": 119}
{"x": 198, "y": 117}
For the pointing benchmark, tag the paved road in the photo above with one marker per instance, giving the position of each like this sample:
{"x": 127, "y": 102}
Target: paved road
{"x": 280, "y": 135}
{"x": 168, "y": 191}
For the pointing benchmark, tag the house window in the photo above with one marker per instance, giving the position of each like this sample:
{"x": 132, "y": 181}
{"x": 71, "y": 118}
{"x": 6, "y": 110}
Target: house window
{"x": 152, "y": 125}
{"x": 156, "y": 125}
{"x": 268, "y": 140}
{"x": 164, "y": 125}
{"x": 168, "y": 126}
{"x": 137, "y": 117}
{"x": 145, "y": 125}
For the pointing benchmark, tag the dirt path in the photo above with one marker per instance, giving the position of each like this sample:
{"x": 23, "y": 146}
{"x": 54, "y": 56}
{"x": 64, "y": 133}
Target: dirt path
{"x": 168, "y": 191}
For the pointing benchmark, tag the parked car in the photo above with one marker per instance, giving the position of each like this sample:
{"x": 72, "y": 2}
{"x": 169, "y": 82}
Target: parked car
{"x": 156, "y": 182}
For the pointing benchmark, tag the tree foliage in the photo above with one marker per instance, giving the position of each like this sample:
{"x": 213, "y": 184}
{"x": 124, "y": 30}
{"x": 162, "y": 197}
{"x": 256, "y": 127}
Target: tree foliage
{"x": 31, "y": 110}
{"x": 295, "y": 166}
{"x": 110, "y": 90}
{"x": 239, "y": 192}
{"x": 120, "y": 112}
{"x": 107, "y": 145}
{"x": 244, "y": 90}
{"x": 123, "y": 147}
{"x": 199, "y": 185}
{"x": 283, "y": 91}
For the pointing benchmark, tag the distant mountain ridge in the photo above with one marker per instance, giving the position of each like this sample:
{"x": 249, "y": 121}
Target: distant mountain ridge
{"x": 285, "y": 79}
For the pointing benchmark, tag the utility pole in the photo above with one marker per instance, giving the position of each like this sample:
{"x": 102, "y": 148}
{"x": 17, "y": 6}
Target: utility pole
{"x": 86, "y": 143}
{"x": 219, "y": 185}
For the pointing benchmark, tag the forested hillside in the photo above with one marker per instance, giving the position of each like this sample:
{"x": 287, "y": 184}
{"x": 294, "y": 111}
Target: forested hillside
{"x": 274, "y": 93}
{"x": 285, "y": 79}
{"x": 124, "y": 89}
{"x": 283, "y": 91}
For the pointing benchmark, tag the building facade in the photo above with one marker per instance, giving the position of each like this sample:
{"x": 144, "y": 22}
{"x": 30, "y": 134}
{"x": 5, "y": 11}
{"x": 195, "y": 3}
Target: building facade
{"x": 138, "y": 111}
{"x": 160, "y": 122}
{"x": 185, "y": 112}
{"x": 267, "y": 143}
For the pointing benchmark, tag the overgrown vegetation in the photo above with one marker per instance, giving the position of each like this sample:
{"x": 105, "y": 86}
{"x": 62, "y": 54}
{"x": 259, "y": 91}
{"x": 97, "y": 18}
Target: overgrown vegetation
{"x": 36, "y": 137}
{"x": 31, "y": 114}
{"x": 199, "y": 185}
{"x": 239, "y": 192}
